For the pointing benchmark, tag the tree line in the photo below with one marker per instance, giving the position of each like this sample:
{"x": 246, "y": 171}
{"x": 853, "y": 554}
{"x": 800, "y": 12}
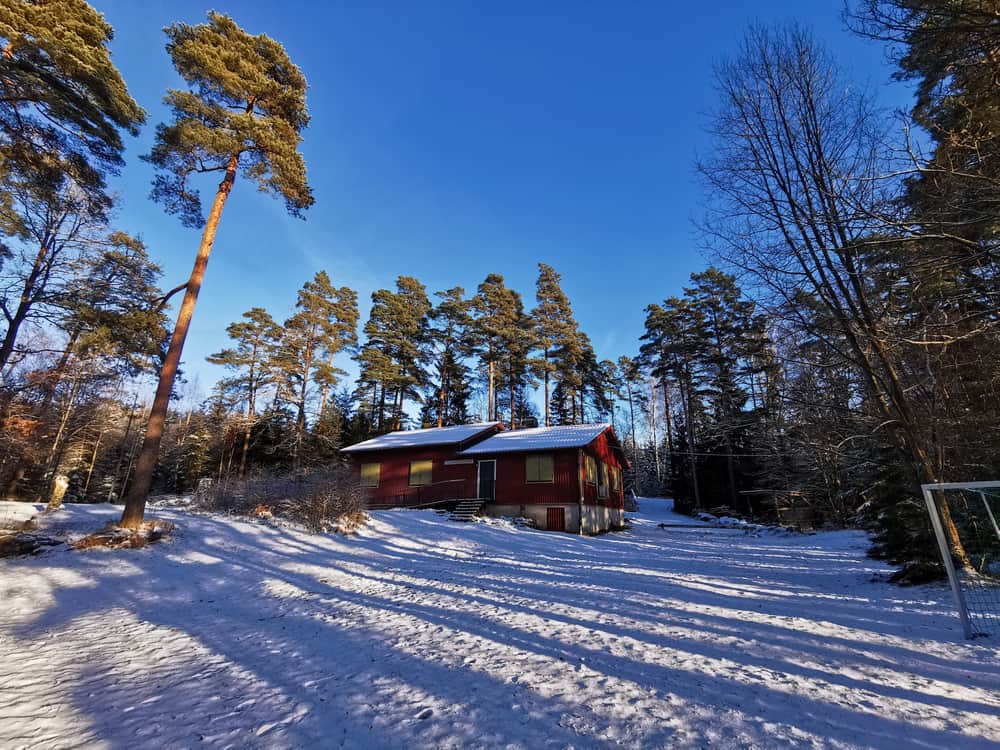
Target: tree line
{"x": 840, "y": 350}
{"x": 286, "y": 403}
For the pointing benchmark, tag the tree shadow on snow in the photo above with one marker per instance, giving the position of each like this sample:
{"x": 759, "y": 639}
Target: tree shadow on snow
{"x": 331, "y": 642}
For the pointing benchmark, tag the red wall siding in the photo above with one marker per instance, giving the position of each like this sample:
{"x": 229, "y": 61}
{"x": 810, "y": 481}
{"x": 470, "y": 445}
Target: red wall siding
{"x": 601, "y": 450}
{"x": 513, "y": 490}
{"x": 395, "y": 475}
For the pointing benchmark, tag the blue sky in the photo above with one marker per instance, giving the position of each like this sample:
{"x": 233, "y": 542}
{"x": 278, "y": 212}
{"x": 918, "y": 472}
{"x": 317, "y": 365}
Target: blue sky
{"x": 454, "y": 139}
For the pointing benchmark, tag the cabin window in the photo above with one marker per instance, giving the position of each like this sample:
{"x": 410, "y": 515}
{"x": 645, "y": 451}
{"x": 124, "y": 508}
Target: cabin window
{"x": 591, "y": 468}
{"x": 420, "y": 473}
{"x": 616, "y": 478}
{"x": 538, "y": 468}
{"x": 370, "y": 474}
{"x": 602, "y": 484}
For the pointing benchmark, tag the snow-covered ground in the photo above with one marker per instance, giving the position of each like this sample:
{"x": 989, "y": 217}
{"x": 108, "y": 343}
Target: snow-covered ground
{"x": 420, "y": 632}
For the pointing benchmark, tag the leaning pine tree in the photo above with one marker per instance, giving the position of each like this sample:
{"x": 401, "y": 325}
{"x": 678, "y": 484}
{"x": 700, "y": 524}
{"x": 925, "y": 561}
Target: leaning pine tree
{"x": 245, "y": 108}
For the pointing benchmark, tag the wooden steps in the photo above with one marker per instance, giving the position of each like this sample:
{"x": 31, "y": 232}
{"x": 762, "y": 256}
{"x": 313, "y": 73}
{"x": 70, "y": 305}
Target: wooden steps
{"x": 466, "y": 510}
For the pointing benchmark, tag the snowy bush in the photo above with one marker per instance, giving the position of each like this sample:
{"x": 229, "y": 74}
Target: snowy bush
{"x": 328, "y": 500}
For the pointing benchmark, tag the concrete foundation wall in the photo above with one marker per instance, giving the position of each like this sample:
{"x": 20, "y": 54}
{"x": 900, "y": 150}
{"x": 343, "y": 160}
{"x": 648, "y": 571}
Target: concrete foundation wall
{"x": 596, "y": 518}
{"x": 537, "y": 513}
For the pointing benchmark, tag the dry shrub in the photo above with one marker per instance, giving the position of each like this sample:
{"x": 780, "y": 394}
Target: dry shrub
{"x": 116, "y": 537}
{"x": 323, "y": 501}
{"x": 21, "y": 427}
{"x": 351, "y": 522}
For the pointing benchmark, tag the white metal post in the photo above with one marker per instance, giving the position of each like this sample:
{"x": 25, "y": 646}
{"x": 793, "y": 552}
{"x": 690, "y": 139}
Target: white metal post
{"x": 989, "y": 512}
{"x": 949, "y": 564}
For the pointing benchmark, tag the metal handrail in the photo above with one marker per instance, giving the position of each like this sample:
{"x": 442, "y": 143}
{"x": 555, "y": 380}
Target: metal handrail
{"x": 414, "y": 497}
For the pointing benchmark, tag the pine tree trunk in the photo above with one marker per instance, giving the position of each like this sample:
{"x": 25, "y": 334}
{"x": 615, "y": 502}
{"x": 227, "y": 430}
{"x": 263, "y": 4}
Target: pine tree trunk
{"x": 441, "y": 401}
{"x": 635, "y": 448}
{"x": 890, "y": 394}
{"x": 300, "y": 418}
{"x": 232, "y": 452}
{"x": 668, "y": 419}
{"x": 656, "y": 440}
{"x": 246, "y": 445}
{"x": 381, "y": 408}
{"x": 251, "y": 412}
{"x": 447, "y": 399}
{"x": 325, "y": 392}
{"x": 399, "y": 409}
{"x": 513, "y": 423}
{"x": 93, "y": 461}
{"x": 55, "y": 377}
{"x": 123, "y": 448}
{"x": 135, "y": 501}
{"x": 731, "y": 471}
{"x": 686, "y": 405}
{"x": 222, "y": 456}
{"x": 547, "y": 419}
{"x": 492, "y": 405}
{"x": 10, "y": 490}
{"x": 56, "y": 451}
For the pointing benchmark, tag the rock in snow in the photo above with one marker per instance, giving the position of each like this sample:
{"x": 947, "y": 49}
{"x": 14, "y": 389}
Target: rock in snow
{"x": 418, "y": 632}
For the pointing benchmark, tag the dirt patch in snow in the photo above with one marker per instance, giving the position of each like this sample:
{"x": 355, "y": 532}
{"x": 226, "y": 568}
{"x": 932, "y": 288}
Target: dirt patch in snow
{"x": 115, "y": 537}
{"x": 24, "y": 543}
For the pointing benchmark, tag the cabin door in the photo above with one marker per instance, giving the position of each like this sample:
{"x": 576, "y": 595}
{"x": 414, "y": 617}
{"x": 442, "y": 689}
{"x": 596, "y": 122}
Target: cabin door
{"x": 487, "y": 482}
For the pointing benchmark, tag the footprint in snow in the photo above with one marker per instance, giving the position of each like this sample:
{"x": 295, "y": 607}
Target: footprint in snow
{"x": 424, "y": 714}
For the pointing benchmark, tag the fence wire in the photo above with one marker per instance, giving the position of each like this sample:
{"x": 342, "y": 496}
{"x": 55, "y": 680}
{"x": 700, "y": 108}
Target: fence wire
{"x": 972, "y": 513}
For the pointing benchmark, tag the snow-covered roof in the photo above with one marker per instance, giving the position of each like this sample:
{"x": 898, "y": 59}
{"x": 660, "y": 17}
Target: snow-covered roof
{"x": 422, "y": 438}
{"x": 537, "y": 439}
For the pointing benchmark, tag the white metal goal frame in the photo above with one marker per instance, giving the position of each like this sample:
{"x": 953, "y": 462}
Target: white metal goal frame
{"x": 972, "y": 619}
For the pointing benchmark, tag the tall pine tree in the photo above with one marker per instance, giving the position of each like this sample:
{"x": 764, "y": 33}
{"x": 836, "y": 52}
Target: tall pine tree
{"x": 255, "y": 338}
{"x": 394, "y": 355}
{"x": 244, "y": 108}
{"x": 324, "y": 324}
{"x": 449, "y": 334}
{"x": 554, "y": 327}
{"x": 503, "y": 337}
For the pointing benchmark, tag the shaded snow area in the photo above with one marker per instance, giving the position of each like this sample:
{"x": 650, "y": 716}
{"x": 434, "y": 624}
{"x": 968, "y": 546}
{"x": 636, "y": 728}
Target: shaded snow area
{"x": 423, "y": 633}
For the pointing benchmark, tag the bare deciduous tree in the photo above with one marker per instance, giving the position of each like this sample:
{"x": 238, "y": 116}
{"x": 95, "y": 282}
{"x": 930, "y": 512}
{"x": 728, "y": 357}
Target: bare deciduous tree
{"x": 800, "y": 202}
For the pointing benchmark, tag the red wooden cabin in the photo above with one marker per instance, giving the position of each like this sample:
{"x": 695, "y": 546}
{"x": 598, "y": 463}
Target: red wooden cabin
{"x": 566, "y": 478}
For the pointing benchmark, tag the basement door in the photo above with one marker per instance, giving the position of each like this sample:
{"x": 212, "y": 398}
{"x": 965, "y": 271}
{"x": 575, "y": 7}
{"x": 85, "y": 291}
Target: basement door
{"x": 487, "y": 481}
{"x": 555, "y": 519}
